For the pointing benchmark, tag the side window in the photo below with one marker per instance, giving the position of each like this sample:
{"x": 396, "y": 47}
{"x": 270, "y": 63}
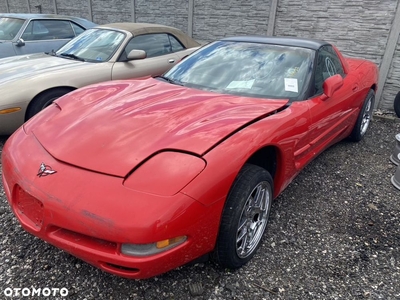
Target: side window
{"x": 60, "y": 29}
{"x": 328, "y": 64}
{"x": 77, "y": 29}
{"x": 175, "y": 44}
{"x": 33, "y": 29}
{"x": 48, "y": 30}
{"x": 154, "y": 44}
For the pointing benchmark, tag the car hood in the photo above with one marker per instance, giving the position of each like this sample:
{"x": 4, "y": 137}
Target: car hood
{"x": 114, "y": 126}
{"x": 23, "y": 66}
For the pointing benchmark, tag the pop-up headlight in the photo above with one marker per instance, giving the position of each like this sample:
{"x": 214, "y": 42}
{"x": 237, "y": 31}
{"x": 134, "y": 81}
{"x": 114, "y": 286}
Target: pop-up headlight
{"x": 166, "y": 173}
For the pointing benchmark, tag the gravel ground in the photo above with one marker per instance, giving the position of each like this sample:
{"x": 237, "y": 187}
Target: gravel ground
{"x": 334, "y": 233}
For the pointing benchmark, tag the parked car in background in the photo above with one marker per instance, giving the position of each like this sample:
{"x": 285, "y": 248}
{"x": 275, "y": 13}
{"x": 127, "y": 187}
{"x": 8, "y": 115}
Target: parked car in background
{"x": 139, "y": 177}
{"x": 115, "y": 51}
{"x": 32, "y": 33}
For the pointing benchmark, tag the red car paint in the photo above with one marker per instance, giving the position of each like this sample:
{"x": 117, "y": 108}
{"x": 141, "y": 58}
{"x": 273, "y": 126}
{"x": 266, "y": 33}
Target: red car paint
{"x": 98, "y": 138}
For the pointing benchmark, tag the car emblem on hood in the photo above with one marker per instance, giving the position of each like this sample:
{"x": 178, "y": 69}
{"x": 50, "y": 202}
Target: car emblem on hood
{"x": 45, "y": 170}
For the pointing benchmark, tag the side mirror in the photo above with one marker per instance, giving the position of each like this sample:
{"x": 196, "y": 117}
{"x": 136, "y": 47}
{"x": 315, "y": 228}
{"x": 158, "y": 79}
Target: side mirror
{"x": 20, "y": 43}
{"x": 332, "y": 84}
{"x": 136, "y": 54}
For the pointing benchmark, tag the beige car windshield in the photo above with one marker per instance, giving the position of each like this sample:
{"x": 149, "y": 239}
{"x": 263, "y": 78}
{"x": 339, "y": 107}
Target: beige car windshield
{"x": 93, "y": 45}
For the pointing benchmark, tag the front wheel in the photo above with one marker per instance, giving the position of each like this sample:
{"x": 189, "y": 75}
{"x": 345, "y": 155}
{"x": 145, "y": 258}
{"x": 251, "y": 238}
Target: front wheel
{"x": 43, "y": 100}
{"x": 245, "y": 217}
{"x": 364, "y": 118}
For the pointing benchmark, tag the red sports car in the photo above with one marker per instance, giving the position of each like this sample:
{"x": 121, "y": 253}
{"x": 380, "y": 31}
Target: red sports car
{"x": 139, "y": 177}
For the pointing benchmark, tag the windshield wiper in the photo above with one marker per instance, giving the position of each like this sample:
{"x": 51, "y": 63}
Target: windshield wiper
{"x": 72, "y": 56}
{"x": 169, "y": 80}
{"x": 52, "y": 53}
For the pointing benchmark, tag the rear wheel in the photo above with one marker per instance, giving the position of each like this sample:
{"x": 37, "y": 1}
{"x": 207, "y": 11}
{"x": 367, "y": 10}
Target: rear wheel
{"x": 245, "y": 217}
{"x": 44, "y": 100}
{"x": 364, "y": 118}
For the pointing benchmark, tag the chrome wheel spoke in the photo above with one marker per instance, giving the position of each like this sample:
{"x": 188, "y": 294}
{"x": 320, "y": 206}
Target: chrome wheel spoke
{"x": 253, "y": 220}
{"x": 258, "y": 195}
{"x": 242, "y": 244}
{"x": 366, "y": 117}
{"x": 242, "y": 226}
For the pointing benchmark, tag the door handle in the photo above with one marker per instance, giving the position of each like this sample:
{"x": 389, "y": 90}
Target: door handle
{"x": 171, "y": 61}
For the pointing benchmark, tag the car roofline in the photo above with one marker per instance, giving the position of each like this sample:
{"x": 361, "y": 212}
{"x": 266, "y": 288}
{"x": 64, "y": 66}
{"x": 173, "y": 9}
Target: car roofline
{"x": 280, "y": 40}
{"x": 27, "y": 16}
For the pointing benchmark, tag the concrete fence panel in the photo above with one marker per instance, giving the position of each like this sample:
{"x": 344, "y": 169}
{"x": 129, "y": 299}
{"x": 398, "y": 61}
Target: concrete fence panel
{"x": 111, "y": 11}
{"x": 73, "y": 8}
{"x": 218, "y": 19}
{"x": 359, "y": 28}
{"x": 168, "y": 12}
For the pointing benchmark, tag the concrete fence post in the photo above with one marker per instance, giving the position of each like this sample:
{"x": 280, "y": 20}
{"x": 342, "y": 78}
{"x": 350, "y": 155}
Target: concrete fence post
{"x": 272, "y": 17}
{"x": 90, "y": 10}
{"x": 29, "y": 5}
{"x": 55, "y": 6}
{"x": 190, "y": 18}
{"x": 133, "y": 11}
{"x": 388, "y": 55}
{"x": 8, "y": 8}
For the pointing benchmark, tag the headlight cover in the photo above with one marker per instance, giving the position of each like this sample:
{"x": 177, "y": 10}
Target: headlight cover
{"x": 166, "y": 173}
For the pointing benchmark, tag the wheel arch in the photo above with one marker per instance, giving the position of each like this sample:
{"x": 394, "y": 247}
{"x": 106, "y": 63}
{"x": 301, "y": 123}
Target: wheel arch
{"x": 268, "y": 158}
{"x": 70, "y": 88}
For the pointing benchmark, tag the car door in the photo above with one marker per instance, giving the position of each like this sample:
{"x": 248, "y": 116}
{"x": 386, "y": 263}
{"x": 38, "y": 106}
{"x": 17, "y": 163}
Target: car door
{"x": 330, "y": 116}
{"x": 162, "y": 54}
{"x": 44, "y": 36}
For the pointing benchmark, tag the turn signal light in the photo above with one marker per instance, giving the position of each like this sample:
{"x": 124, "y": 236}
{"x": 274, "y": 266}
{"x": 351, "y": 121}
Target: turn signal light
{"x": 166, "y": 243}
{"x": 151, "y": 249}
{"x": 9, "y": 110}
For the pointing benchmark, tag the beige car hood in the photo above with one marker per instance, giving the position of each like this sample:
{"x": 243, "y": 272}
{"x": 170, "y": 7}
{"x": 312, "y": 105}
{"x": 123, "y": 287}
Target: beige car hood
{"x": 23, "y": 66}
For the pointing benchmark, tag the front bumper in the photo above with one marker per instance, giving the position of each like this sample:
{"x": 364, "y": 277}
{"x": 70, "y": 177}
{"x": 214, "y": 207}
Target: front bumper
{"x": 11, "y": 121}
{"x": 90, "y": 215}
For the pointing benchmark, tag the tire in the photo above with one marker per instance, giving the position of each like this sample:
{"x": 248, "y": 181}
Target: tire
{"x": 43, "y": 100}
{"x": 243, "y": 221}
{"x": 397, "y": 104}
{"x": 364, "y": 118}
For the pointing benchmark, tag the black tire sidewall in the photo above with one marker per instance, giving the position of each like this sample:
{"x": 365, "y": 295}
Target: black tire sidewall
{"x": 225, "y": 251}
{"x": 356, "y": 135}
{"x": 37, "y": 103}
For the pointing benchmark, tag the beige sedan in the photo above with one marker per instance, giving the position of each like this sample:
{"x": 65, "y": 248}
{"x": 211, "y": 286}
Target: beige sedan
{"x": 29, "y": 83}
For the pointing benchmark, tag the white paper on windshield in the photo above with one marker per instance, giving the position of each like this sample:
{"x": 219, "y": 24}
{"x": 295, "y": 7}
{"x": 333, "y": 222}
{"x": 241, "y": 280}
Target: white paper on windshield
{"x": 244, "y": 84}
{"x": 291, "y": 85}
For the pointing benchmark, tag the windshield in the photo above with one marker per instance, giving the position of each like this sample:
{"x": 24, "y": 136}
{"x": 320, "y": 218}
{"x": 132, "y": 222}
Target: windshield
{"x": 247, "y": 69}
{"x": 9, "y": 27}
{"x": 93, "y": 45}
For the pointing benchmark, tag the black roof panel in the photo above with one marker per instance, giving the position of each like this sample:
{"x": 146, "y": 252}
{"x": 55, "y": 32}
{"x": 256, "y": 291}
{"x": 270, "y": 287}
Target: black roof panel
{"x": 280, "y": 40}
